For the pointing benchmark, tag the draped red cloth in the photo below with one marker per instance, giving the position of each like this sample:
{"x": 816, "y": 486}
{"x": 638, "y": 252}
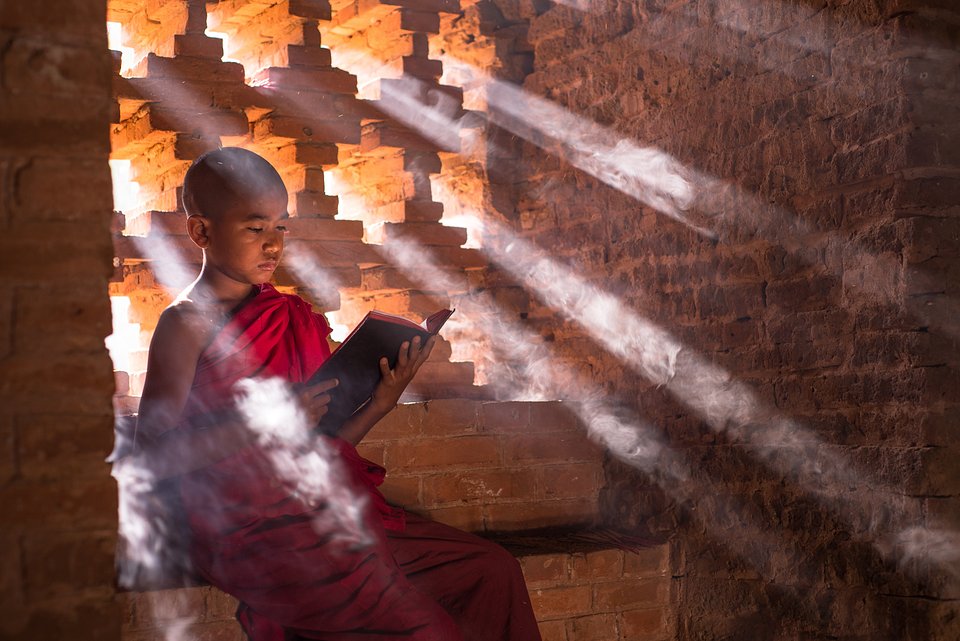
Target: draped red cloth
{"x": 295, "y": 573}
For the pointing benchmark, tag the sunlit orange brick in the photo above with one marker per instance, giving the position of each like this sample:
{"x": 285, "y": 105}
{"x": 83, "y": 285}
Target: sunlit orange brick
{"x": 444, "y": 373}
{"x": 602, "y": 564}
{"x": 555, "y": 630}
{"x": 631, "y": 593}
{"x": 562, "y": 601}
{"x": 462, "y": 451}
{"x": 593, "y": 627}
{"x": 450, "y": 416}
{"x": 570, "y": 480}
{"x": 542, "y": 513}
{"x": 476, "y": 485}
{"x": 545, "y": 570}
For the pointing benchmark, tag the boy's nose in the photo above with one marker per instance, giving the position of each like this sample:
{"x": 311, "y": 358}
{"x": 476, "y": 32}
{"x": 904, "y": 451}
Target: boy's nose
{"x": 273, "y": 240}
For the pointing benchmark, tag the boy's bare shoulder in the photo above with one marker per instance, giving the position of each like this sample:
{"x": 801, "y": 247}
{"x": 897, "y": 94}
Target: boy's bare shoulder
{"x": 184, "y": 324}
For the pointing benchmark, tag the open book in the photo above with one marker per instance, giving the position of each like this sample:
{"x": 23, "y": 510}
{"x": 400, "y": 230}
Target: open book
{"x": 356, "y": 362}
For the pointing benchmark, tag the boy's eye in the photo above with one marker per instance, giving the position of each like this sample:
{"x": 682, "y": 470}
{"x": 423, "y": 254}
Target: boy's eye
{"x": 255, "y": 230}
{"x": 282, "y": 228}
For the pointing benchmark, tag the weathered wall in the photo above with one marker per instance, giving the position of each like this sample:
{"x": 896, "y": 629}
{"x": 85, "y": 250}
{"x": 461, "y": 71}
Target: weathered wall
{"x": 58, "y": 522}
{"x": 810, "y": 413}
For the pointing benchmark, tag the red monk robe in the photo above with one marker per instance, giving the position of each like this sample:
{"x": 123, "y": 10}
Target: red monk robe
{"x": 295, "y": 578}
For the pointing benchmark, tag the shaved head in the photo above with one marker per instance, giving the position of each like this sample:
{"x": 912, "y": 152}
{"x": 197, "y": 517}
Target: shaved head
{"x": 224, "y": 177}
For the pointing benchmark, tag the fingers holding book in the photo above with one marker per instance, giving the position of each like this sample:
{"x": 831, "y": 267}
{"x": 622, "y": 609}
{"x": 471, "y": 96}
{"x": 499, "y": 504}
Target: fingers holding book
{"x": 393, "y": 382}
{"x": 315, "y": 398}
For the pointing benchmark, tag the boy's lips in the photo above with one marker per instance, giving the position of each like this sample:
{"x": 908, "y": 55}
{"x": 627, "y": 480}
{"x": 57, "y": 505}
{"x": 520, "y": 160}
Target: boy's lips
{"x": 269, "y": 265}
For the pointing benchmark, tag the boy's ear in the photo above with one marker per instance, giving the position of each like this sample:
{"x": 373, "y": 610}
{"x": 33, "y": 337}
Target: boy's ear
{"x": 197, "y": 227}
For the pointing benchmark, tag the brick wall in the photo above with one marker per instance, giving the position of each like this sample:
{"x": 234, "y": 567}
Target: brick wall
{"x": 59, "y": 519}
{"x": 489, "y": 466}
{"x": 808, "y": 437}
{"x": 809, "y": 414}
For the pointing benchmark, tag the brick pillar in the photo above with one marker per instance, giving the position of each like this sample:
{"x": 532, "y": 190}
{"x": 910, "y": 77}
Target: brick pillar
{"x": 58, "y": 522}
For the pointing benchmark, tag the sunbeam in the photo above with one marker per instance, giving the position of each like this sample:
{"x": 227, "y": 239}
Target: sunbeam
{"x": 304, "y": 462}
{"x": 528, "y": 370}
{"x": 323, "y": 286}
{"x": 727, "y": 405}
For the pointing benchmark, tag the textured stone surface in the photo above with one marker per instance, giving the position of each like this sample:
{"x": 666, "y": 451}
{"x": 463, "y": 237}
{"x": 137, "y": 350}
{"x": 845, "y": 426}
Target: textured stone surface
{"x": 817, "y": 342}
{"x": 59, "y": 517}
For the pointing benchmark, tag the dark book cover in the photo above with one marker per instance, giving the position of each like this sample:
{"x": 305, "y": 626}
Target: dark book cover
{"x": 356, "y": 362}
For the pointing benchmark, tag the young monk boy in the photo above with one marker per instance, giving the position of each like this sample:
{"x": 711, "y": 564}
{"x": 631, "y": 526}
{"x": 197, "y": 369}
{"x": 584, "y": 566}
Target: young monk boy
{"x": 296, "y": 576}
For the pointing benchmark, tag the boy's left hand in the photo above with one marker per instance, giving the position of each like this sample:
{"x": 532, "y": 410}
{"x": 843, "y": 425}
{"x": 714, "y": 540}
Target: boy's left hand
{"x": 394, "y": 381}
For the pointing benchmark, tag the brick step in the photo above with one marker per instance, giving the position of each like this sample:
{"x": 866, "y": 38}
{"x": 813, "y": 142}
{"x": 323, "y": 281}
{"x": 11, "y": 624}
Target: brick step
{"x": 485, "y": 465}
{"x": 579, "y": 592}
{"x": 424, "y": 233}
{"x": 350, "y": 16}
{"x": 382, "y": 279}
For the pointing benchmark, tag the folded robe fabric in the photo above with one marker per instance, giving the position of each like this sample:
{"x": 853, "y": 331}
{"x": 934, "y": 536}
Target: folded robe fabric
{"x": 295, "y": 574}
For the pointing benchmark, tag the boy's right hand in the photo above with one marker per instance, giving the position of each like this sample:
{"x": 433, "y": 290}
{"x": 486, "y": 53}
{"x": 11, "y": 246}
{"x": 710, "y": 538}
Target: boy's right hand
{"x": 314, "y": 399}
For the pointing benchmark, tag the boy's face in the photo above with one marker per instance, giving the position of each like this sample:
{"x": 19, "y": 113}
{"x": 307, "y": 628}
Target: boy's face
{"x": 245, "y": 239}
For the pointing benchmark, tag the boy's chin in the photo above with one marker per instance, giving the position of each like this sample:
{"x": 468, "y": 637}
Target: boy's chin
{"x": 263, "y": 276}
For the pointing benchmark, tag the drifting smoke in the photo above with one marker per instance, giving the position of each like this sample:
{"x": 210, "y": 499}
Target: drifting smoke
{"x": 647, "y": 174}
{"x": 323, "y": 286}
{"x": 166, "y": 262}
{"x": 437, "y": 115}
{"x": 650, "y": 350}
{"x": 301, "y": 460}
{"x": 726, "y": 404}
{"x": 152, "y": 547}
{"x": 528, "y": 370}
{"x": 930, "y": 546}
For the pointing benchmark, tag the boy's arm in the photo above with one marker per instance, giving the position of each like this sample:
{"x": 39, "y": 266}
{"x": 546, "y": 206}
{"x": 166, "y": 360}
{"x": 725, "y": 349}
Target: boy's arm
{"x": 171, "y": 365}
{"x": 388, "y": 392}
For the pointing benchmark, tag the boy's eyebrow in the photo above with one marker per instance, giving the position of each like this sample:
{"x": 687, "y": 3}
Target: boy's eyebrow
{"x": 284, "y": 216}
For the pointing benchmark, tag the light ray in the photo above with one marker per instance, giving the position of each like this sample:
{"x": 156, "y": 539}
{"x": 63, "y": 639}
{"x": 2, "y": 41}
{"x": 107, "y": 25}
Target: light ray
{"x": 308, "y": 465}
{"x": 115, "y": 43}
{"x": 125, "y": 337}
{"x": 647, "y": 174}
{"x": 529, "y": 371}
{"x": 727, "y": 404}
{"x": 323, "y": 286}
{"x": 167, "y": 262}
